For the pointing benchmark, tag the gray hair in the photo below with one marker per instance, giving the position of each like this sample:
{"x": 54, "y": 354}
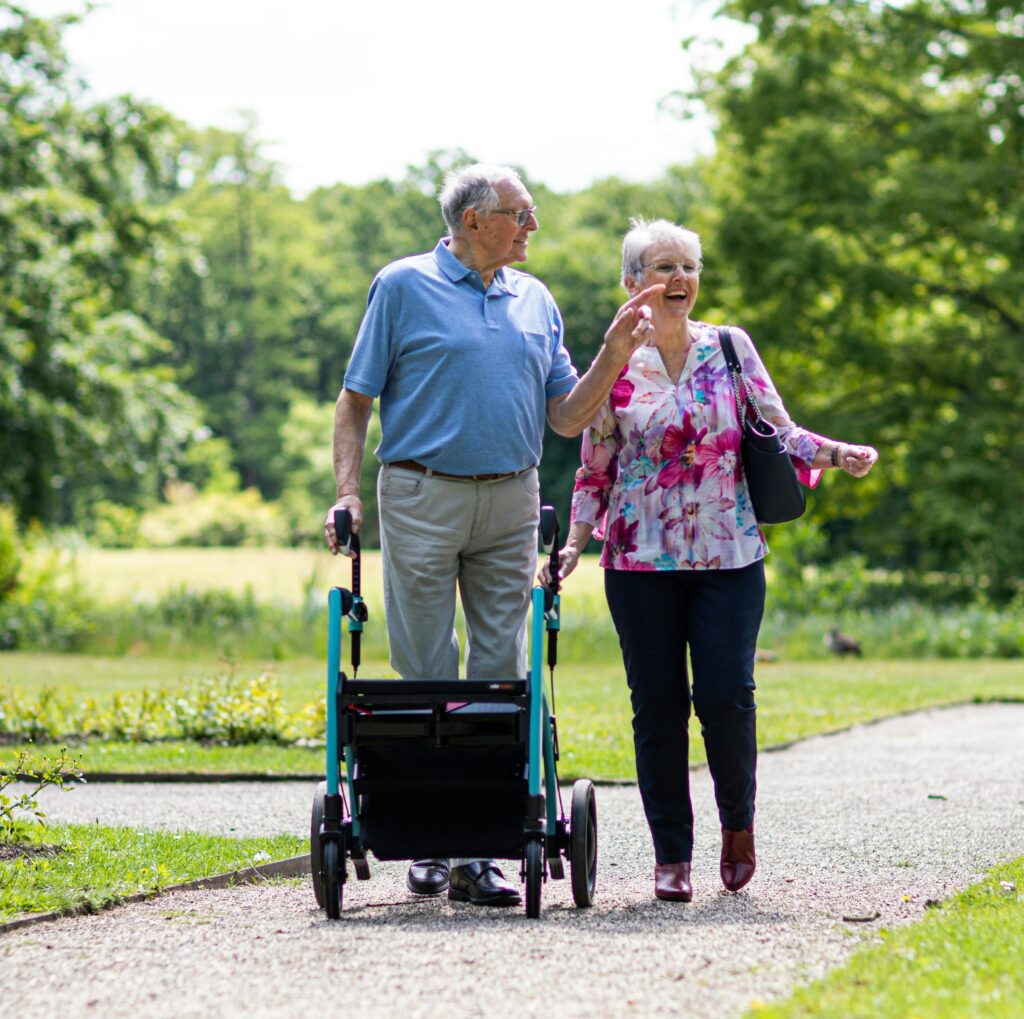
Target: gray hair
{"x": 642, "y": 234}
{"x": 471, "y": 187}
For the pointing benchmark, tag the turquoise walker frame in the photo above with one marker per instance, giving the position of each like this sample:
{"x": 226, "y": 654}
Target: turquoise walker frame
{"x": 541, "y": 744}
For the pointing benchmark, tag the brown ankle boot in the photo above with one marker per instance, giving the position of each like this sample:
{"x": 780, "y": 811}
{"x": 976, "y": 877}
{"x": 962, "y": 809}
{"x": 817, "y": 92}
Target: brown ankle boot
{"x": 672, "y": 882}
{"x": 738, "y": 863}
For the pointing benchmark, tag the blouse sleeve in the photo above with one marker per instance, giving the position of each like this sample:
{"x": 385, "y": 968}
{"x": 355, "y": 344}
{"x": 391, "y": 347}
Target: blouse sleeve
{"x": 598, "y": 470}
{"x": 801, "y": 444}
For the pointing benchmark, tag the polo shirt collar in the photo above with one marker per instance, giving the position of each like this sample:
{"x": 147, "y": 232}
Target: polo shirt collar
{"x": 456, "y": 270}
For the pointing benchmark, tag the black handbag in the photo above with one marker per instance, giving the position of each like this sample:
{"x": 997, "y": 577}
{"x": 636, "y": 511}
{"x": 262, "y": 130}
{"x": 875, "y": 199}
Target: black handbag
{"x": 775, "y": 492}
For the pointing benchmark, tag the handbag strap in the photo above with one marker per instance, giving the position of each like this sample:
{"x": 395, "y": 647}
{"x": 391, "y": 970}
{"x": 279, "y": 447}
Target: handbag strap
{"x": 737, "y": 377}
{"x": 725, "y": 339}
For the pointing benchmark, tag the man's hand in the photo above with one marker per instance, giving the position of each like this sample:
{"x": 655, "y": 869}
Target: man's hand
{"x": 354, "y": 505}
{"x": 632, "y": 324}
{"x": 570, "y": 413}
{"x": 351, "y": 419}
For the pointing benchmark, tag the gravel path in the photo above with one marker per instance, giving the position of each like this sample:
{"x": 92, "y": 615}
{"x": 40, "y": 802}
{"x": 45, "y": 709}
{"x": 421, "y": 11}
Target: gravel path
{"x": 880, "y": 819}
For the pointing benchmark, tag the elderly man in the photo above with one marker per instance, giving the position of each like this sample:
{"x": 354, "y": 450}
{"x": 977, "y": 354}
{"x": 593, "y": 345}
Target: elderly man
{"x": 467, "y": 358}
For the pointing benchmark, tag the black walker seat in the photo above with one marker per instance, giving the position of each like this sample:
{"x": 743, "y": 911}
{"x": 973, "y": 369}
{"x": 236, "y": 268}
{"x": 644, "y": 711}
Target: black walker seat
{"x": 437, "y": 772}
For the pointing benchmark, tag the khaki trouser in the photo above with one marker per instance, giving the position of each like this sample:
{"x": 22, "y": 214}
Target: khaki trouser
{"x": 480, "y": 536}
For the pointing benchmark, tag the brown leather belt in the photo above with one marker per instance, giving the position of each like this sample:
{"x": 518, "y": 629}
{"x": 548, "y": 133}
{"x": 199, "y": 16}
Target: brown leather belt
{"x": 412, "y": 465}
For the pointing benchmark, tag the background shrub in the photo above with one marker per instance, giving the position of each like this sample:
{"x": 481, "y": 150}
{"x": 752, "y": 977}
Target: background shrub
{"x": 214, "y": 519}
{"x": 225, "y": 709}
{"x": 41, "y": 601}
{"x": 114, "y": 526}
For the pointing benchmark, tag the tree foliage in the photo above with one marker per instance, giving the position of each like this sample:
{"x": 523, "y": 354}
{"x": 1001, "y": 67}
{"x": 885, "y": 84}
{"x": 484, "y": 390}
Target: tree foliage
{"x": 867, "y": 211}
{"x": 170, "y": 312}
{"x": 84, "y": 406}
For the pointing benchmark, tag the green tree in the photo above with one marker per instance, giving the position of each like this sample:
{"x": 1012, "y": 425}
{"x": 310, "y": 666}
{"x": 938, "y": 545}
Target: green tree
{"x": 84, "y": 409}
{"x": 237, "y": 315}
{"x": 868, "y": 227}
{"x": 363, "y": 229}
{"x": 306, "y": 441}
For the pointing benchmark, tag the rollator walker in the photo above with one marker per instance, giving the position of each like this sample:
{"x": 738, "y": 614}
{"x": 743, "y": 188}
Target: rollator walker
{"x": 441, "y": 768}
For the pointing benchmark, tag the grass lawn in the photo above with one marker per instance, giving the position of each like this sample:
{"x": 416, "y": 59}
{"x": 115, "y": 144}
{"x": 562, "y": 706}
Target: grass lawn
{"x": 282, "y": 575}
{"x": 184, "y": 758}
{"x": 97, "y": 866}
{"x": 796, "y": 700}
{"x": 301, "y": 679}
{"x": 273, "y": 574}
{"x": 963, "y": 961}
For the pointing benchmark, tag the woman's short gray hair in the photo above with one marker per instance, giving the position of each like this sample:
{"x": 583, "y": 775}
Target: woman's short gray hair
{"x": 642, "y": 234}
{"x": 471, "y": 187}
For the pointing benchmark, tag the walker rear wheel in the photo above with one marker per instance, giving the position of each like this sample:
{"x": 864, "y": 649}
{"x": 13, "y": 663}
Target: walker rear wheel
{"x": 314, "y": 843}
{"x": 334, "y": 878}
{"x": 583, "y": 842}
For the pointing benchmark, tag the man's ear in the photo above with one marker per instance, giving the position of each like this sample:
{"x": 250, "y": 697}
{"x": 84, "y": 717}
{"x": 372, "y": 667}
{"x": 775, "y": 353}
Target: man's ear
{"x": 470, "y": 219}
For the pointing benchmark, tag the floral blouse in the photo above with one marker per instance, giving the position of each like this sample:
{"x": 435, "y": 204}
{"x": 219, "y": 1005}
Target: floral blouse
{"x": 661, "y": 478}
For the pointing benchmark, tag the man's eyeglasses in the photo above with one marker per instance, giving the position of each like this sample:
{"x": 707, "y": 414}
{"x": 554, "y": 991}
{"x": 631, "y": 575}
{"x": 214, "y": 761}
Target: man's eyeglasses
{"x": 669, "y": 268}
{"x": 521, "y": 216}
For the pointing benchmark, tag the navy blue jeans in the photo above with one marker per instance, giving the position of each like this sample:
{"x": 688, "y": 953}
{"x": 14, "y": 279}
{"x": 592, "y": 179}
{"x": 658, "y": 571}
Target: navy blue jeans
{"x": 716, "y": 615}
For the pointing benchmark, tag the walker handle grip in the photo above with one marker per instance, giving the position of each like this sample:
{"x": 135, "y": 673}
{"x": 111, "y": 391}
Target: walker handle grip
{"x": 343, "y": 529}
{"x": 548, "y": 529}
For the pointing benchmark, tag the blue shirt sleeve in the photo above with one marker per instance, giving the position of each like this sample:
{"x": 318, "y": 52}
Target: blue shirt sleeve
{"x": 562, "y": 377}
{"x": 376, "y": 344}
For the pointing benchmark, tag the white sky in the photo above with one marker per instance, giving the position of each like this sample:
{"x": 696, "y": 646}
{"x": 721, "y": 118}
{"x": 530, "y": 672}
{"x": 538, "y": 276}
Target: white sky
{"x": 352, "y": 92}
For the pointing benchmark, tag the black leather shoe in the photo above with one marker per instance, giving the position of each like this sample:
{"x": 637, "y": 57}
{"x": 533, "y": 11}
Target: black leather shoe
{"x": 427, "y": 877}
{"x": 483, "y": 884}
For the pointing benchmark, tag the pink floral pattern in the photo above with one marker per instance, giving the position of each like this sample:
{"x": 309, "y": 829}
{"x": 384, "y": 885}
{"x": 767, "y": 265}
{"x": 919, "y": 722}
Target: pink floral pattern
{"x": 622, "y": 393}
{"x": 661, "y": 470}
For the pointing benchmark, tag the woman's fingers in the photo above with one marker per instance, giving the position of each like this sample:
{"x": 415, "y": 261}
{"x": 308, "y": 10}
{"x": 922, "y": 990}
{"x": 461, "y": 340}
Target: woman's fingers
{"x": 567, "y": 560}
{"x": 860, "y": 459}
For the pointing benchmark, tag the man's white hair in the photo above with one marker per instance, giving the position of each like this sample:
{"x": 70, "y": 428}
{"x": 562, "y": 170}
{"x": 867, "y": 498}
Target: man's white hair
{"x": 642, "y": 234}
{"x": 471, "y": 187}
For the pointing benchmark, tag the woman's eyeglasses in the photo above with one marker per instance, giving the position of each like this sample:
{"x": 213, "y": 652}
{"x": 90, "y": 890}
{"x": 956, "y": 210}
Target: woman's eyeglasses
{"x": 669, "y": 268}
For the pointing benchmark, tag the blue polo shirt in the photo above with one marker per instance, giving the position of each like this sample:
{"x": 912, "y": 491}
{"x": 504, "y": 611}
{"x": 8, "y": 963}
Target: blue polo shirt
{"x": 463, "y": 372}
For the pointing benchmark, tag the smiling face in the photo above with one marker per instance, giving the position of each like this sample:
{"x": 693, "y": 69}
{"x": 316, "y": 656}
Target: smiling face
{"x": 676, "y": 301}
{"x": 495, "y": 238}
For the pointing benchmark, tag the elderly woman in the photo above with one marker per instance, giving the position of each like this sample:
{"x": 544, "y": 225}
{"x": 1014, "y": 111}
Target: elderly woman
{"x": 683, "y": 552}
